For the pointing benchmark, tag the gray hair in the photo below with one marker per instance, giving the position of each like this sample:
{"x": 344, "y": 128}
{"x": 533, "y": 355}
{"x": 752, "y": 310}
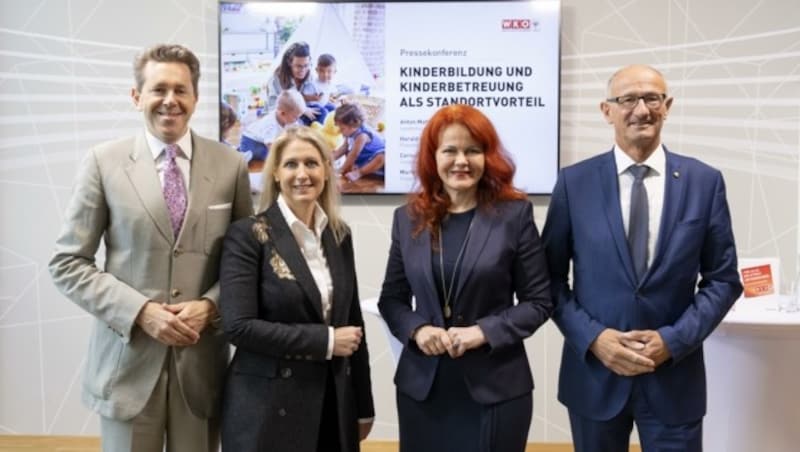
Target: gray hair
{"x": 629, "y": 67}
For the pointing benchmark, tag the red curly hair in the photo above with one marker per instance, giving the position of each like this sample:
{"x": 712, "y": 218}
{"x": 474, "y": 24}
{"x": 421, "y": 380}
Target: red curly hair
{"x": 428, "y": 206}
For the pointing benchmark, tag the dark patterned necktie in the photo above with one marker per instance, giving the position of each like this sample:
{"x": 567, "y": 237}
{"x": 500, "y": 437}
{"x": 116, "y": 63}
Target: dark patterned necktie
{"x": 174, "y": 189}
{"x": 638, "y": 222}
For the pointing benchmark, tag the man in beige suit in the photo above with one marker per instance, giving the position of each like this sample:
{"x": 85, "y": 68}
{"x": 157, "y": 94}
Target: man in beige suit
{"x": 161, "y": 201}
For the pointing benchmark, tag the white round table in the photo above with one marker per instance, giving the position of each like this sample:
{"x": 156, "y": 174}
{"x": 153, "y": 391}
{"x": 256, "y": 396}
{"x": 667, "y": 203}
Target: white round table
{"x": 753, "y": 366}
{"x": 370, "y": 306}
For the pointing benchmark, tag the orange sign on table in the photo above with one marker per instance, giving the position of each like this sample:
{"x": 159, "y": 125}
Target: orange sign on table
{"x": 758, "y": 281}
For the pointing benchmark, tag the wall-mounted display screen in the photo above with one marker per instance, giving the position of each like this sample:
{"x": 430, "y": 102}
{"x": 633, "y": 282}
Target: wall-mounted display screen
{"x": 392, "y": 65}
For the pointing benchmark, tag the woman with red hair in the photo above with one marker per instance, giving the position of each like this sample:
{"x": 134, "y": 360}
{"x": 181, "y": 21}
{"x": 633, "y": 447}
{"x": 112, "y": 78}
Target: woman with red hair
{"x": 463, "y": 246}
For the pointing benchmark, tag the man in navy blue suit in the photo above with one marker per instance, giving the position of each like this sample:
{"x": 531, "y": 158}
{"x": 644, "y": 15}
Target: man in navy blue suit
{"x": 635, "y": 314}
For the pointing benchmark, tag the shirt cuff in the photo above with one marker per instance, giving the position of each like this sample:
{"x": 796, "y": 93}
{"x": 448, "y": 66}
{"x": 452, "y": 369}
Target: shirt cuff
{"x": 329, "y": 354}
{"x": 366, "y": 420}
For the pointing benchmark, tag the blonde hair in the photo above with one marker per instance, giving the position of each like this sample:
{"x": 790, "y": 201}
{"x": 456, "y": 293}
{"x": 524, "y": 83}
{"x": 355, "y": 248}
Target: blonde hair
{"x": 328, "y": 199}
{"x": 291, "y": 100}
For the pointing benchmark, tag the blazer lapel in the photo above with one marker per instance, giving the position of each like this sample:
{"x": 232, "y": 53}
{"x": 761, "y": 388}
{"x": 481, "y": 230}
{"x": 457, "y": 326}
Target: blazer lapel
{"x": 673, "y": 201}
{"x": 141, "y": 171}
{"x": 421, "y": 254}
{"x": 482, "y": 224}
{"x": 287, "y": 248}
{"x": 201, "y": 184}
{"x": 608, "y": 181}
{"x": 341, "y": 283}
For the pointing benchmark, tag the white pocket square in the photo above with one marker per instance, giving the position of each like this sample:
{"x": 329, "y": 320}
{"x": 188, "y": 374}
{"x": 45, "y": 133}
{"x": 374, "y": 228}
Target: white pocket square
{"x": 225, "y": 206}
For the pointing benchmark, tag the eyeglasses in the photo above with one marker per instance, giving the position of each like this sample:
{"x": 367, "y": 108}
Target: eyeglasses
{"x": 651, "y": 100}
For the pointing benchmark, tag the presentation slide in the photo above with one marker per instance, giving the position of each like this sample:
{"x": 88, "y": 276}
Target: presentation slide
{"x": 397, "y": 63}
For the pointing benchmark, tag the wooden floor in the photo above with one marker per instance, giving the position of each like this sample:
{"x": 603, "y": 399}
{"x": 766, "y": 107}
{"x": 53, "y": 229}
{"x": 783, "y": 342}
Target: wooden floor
{"x": 15, "y": 443}
{"x": 366, "y": 184}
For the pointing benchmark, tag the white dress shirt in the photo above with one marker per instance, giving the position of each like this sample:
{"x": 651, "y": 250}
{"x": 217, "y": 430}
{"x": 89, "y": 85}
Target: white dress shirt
{"x": 183, "y": 158}
{"x": 310, "y": 242}
{"x": 653, "y": 183}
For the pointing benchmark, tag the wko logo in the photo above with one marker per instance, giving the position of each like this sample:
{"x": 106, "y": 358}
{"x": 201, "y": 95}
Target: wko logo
{"x": 520, "y": 25}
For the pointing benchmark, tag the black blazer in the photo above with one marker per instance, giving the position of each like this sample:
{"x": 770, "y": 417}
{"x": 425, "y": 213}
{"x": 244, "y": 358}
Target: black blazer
{"x": 503, "y": 256}
{"x": 272, "y": 312}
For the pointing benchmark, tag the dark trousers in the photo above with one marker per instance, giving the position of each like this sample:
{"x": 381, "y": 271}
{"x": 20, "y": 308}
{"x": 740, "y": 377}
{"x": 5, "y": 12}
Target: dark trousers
{"x": 323, "y": 113}
{"x": 614, "y": 434}
{"x": 258, "y": 148}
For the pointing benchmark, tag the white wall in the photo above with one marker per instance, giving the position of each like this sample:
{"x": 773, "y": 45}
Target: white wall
{"x": 733, "y": 67}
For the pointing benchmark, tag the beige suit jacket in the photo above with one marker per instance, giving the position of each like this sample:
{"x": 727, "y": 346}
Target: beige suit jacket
{"x": 118, "y": 198}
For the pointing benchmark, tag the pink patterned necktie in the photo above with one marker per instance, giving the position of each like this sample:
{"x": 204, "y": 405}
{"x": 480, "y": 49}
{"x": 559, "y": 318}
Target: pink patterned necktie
{"x": 174, "y": 189}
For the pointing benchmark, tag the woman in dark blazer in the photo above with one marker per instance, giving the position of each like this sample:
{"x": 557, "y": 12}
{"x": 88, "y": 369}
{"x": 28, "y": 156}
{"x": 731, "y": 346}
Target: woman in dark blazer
{"x": 299, "y": 381}
{"x": 463, "y": 246}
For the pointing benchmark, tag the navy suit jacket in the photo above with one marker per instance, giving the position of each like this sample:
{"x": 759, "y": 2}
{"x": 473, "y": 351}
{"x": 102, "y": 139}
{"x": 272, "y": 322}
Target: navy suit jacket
{"x": 503, "y": 256}
{"x": 584, "y": 225}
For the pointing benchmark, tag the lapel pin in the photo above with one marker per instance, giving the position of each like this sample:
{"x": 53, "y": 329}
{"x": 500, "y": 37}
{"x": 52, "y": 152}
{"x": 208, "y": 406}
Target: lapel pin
{"x": 676, "y": 174}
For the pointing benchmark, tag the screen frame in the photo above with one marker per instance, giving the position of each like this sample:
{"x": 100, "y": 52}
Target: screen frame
{"x": 414, "y": 187}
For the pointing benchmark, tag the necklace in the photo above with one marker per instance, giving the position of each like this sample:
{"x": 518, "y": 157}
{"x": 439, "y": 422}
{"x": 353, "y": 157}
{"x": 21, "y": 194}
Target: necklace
{"x": 445, "y": 291}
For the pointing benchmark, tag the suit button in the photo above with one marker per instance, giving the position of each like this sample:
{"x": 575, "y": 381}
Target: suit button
{"x": 175, "y": 293}
{"x": 177, "y": 252}
{"x": 281, "y": 412}
{"x": 460, "y": 318}
{"x": 309, "y": 357}
{"x": 286, "y": 372}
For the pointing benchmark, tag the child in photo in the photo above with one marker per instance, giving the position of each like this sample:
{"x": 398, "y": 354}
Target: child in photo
{"x": 229, "y": 125}
{"x": 363, "y": 146}
{"x": 324, "y": 90}
{"x": 258, "y": 135}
